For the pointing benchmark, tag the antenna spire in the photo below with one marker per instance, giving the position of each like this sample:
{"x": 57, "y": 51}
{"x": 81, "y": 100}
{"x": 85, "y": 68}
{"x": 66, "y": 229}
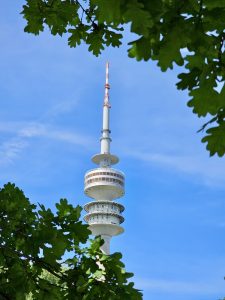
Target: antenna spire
{"x": 107, "y": 86}
{"x": 105, "y": 158}
{"x": 105, "y": 139}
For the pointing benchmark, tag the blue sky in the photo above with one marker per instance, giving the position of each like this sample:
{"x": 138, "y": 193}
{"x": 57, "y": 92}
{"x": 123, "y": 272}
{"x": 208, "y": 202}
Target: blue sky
{"x": 50, "y": 122}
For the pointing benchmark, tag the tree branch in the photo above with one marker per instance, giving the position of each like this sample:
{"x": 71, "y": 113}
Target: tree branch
{"x": 94, "y": 25}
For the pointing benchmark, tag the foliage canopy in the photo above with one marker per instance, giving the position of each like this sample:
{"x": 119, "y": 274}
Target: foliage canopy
{"x": 188, "y": 33}
{"x": 33, "y": 246}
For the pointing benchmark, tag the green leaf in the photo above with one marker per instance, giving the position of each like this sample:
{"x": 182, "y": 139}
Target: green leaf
{"x": 95, "y": 42}
{"x": 170, "y": 48}
{"x": 205, "y": 99}
{"x": 215, "y": 140}
{"x": 108, "y": 11}
{"x": 32, "y": 13}
{"x": 140, "y": 19}
{"x": 189, "y": 80}
{"x": 78, "y": 34}
{"x": 75, "y": 38}
{"x": 141, "y": 49}
{"x": 113, "y": 38}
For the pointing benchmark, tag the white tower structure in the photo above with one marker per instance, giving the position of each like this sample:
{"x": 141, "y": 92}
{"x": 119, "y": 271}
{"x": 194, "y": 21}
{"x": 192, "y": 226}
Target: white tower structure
{"x": 104, "y": 184}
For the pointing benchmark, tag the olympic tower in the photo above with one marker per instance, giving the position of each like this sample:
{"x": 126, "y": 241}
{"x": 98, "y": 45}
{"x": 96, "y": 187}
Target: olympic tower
{"x": 104, "y": 184}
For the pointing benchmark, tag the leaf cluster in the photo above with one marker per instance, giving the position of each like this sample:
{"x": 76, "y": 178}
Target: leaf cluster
{"x": 189, "y": 33}
{"x": 72, "y": 17}
{"x": 44, "y": 255}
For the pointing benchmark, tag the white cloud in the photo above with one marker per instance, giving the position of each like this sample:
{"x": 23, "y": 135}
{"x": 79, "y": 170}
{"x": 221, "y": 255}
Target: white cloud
{"x": 210, "y": 171}
{"x": 62, "y": 107}
{"x": 24, "y": 133}
{"x": 46, "y": 131}
{"x": 10, "y": 149}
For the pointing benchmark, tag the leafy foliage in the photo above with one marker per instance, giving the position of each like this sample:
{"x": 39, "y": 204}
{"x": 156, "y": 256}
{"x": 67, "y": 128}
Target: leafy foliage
{"x": 33, "y": 244}
{"x": 189, "y": 33}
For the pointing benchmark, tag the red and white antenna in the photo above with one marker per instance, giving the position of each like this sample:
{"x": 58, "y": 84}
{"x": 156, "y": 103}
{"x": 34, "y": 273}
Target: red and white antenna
{"x": 107, "y": 86}
{"x": 105, "y": 158}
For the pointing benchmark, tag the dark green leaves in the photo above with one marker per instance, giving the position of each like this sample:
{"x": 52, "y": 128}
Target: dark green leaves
{"x": 215, "y": 139}
{"x": 108, "y": 11}
{"x": 139, "y": 49}
{"x": 140, "y": 18}
{"x": 32, "y": 246}
{"x": 77, "y": 35}
{"x": 32, "y": 13}
{"x": 95, "y": 41}
{"x": 56, "y": 14}
{"x": 205, "y": 99}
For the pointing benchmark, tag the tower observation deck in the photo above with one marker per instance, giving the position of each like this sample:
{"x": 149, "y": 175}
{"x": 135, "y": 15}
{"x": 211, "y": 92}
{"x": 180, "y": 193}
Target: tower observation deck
{"x": 104, "y": 184}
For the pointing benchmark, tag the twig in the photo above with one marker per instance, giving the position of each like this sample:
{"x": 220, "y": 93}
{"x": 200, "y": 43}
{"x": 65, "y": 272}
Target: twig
{"x": 94, "y": 25}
